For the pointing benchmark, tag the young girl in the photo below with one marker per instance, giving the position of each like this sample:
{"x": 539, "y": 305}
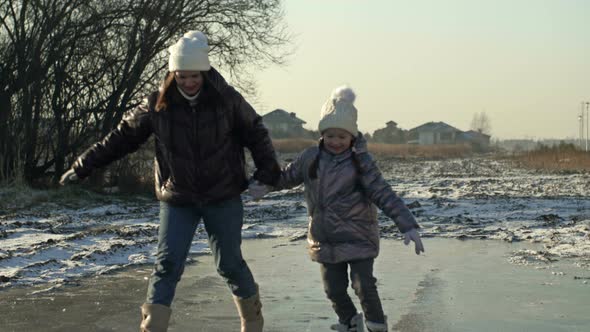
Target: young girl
{"x": 342, "y": 187}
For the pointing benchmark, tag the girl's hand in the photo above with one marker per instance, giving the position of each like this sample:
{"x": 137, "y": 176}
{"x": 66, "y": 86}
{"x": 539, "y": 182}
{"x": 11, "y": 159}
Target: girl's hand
{"x": 413, "y": 235}
{"x": 360, "y": 143}
{"x": 257, "y": 190}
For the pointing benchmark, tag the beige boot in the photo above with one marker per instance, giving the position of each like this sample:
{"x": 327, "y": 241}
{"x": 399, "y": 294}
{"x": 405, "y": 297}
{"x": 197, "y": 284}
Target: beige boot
{"x": 250, "y": 313}
{"x": 154, "y": 318}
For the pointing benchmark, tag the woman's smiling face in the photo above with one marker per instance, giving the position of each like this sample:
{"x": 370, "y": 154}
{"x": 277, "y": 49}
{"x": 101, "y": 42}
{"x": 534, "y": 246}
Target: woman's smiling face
{"x": 190, "y": 82}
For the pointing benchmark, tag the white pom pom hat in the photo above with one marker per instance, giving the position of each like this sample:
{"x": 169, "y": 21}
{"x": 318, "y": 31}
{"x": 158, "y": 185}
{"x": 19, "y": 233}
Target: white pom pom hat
{"x": 339, "y": 111}
{"x": 190, "y": 53}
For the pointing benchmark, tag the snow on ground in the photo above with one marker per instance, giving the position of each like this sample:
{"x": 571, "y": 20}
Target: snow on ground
{"x": 476, "y": 198}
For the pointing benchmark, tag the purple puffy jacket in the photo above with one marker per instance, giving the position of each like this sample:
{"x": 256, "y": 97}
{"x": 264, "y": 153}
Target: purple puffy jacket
{"x": 341, "y": 203}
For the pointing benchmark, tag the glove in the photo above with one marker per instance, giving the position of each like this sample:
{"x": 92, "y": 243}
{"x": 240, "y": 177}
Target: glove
{"x": 257, "y": 190}
{"x": 68, "y": 177}
{"x": 360, "y": 144}
{"x": 413, "y": 235}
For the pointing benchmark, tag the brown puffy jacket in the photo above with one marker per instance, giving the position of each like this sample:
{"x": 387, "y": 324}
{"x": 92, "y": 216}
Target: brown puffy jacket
{"x": 199, "y": 149}
{"x": 341, "y": 203}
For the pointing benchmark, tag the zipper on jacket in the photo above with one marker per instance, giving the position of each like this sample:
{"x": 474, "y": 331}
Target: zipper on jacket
{"x": 323, "y": 207}
{"x": 196, "y": 150}
{"x": 170, "y": 150}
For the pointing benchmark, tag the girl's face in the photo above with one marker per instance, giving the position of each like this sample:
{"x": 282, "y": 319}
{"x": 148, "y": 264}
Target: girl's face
{"x": 337, "y": 140}
{"x": 190, "y": 82}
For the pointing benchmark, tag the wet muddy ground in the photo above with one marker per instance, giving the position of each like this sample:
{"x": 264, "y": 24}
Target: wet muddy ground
{"x": 57, "y": 243}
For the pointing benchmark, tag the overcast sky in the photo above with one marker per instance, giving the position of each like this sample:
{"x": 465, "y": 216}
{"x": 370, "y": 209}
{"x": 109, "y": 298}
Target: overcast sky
{"x": 526, "y": 63}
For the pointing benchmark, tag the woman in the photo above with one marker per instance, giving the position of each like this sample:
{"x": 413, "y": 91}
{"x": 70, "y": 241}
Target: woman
{"x": 201, "y": 126}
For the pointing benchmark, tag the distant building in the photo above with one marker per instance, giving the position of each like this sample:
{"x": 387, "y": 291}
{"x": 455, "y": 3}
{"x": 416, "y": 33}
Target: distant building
{"x": 434, "y": 133}
{"x": 282, "y": 124}
{"x": 479, "y": 141}
{"x": 390, "y": 134}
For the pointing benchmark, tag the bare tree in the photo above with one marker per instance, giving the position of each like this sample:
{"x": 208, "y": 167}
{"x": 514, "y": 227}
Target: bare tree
{"x": 71, "y": 68}
{"x": 481, "y": 123}
{"x": 32, "y": 39}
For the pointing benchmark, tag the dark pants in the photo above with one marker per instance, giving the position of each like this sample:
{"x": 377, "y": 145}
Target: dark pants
{"x": 335, "y": 278}
{"x": 223, "y": 223}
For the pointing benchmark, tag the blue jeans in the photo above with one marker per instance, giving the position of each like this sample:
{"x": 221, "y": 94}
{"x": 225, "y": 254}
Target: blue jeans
{"x": 223, "y": 223}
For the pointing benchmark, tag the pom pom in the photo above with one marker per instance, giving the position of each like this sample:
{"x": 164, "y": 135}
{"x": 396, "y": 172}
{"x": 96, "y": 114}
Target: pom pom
{"x": 344, "y": 93}
{"x": 198, "y": 35}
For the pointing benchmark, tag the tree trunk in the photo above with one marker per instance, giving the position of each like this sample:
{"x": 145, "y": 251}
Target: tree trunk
{"x": 5, "y": 152}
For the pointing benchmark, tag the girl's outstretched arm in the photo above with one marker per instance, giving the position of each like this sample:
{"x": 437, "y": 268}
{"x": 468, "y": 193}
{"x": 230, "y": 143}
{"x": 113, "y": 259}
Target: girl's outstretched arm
{"x": 294, "y": 173}
{"x": 380, "y": 192}
{"x": 291, "y": 176}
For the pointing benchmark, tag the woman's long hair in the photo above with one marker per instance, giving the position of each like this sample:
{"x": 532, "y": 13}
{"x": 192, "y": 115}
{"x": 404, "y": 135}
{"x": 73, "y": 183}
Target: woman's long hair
{"x": 164, "y": 95}
{"x": 168, "y": 89}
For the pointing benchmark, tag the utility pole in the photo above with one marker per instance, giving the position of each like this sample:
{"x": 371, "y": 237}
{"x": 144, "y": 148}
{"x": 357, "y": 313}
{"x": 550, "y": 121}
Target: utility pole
{"x": 581, "y": 126}
{"x": 580, "y": 129}
{"x": 587, "y": 123}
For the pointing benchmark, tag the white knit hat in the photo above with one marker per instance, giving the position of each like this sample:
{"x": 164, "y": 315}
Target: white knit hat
{"x": 190, "y": 53}
{"x": 339, "y": 111}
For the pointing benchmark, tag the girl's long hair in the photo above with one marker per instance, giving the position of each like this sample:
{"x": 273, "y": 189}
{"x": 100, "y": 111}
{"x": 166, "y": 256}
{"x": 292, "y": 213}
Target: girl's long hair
{"x": 312, "y": 172}
{"x": 315, "y": 164}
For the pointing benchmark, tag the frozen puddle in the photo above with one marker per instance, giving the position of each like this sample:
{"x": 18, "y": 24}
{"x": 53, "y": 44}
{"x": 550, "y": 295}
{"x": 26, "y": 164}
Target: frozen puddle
{"x": 470, "y": 199}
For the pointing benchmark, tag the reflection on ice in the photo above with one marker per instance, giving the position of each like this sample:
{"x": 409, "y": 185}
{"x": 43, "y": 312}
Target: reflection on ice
{"x": 464, "y": 199}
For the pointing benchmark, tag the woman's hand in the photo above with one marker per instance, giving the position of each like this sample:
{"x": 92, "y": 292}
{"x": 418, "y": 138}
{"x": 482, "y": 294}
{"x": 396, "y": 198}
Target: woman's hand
{"x": 68, "y": 177}
{"x": 413, "y": 235}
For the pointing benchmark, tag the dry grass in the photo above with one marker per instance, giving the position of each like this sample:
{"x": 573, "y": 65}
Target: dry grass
{"x": 555, "y": 159}
{"x": 422, "y": 151}
{"x": 135, "y": 173}
{"x": 291, "y": 145}
{"x": 23, "y": 196}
